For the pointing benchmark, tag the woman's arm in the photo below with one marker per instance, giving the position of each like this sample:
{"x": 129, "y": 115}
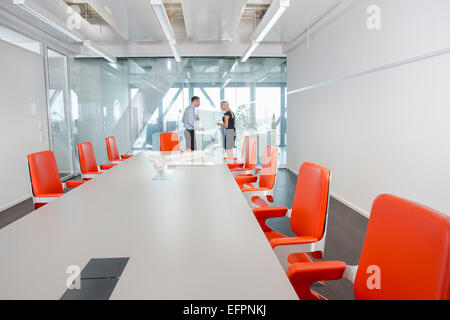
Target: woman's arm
{"x": 225, "y": 124}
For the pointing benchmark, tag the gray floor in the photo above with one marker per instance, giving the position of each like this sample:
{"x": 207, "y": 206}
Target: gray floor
{"x": 345, "y": 237}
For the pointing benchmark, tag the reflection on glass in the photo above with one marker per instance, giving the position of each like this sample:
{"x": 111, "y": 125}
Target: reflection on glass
{"x": 59, "y": 112}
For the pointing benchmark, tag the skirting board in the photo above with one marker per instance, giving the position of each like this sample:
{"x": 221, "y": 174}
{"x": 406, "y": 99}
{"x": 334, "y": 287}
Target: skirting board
{"x": 12, "y": 204}
{"x": 345, "y": 202}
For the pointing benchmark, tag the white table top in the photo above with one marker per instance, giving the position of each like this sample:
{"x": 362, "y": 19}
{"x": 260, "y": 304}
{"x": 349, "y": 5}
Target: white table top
{"x": 190, "y": 237}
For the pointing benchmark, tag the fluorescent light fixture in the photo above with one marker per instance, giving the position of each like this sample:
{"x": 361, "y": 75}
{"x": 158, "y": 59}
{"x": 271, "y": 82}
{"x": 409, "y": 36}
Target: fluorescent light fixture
{"x": 33, "y": 10}
{"x": 88, "y": 44}
{"x": 163, "y": 18}
{"x": 250, "y": 50}
{"x": 225, "y": 83}
{"x": 271, "y": 17}
{"x": 234, "y": 66}
{"x": 114, "y": 65}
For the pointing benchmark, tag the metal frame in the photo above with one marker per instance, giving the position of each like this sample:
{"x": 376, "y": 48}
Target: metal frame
{"x": 260, "y": 193}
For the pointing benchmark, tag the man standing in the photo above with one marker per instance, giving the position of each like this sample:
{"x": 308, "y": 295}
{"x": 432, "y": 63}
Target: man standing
{"x": 189, "y": 118}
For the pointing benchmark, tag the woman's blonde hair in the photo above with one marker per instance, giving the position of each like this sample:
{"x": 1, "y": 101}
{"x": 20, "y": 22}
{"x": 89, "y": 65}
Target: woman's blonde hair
{"x": 225, "y": 102}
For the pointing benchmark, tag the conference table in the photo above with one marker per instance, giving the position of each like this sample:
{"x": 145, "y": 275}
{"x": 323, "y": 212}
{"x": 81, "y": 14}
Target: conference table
{"x": 190, "y": 235}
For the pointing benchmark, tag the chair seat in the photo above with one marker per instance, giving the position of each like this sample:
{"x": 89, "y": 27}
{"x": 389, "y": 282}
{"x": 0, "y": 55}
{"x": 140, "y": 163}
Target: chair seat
{"x": 126, "y": 156}
{"x": 240, "y": 169}
{"x": 107, "y": 166}
{"x": 299, "y": 257}
{"x": 273, "y": 235}
{"x": 243, "y": 180}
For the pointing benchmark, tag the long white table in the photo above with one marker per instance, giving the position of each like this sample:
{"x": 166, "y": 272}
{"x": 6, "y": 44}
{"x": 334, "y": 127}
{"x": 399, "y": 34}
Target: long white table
{"x": 190, "y": 237}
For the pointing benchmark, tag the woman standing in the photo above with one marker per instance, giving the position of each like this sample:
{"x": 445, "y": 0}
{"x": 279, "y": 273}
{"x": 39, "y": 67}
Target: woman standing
{"x": 229, "y": 122}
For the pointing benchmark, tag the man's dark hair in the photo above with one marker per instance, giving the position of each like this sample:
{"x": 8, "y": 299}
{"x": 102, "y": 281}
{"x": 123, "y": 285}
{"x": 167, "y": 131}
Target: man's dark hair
{"x": 194, "y": 98}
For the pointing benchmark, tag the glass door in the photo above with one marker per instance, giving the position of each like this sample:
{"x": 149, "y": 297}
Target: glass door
{"x": 59, "y": 112}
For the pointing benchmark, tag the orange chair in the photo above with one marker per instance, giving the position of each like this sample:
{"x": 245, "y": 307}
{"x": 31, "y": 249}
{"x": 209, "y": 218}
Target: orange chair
{"x": 249, "y": 167}
{"x": 113, "y": 152}
{"x": 308, "y": 217}
{"x": 406, "y": 256}
{"x": 169, "y": 141}
{"x": 88, "y": 164}
{"x": 266, "y": 184}
{"x": 239, "y": 163}
{"x": 45, "y": 182}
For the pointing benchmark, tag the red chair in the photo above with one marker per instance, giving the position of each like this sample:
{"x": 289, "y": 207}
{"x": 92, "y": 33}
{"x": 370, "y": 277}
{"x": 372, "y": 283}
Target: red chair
{"x": 169, "y": 141}
{"x": 239, "y": 163}
{"x": 266, "y": 184}
{"x": 113, "y": 152}
{"x": 308, "y": 217}
{"x": 406, "y": 256}
{"x": 88, "y": 164}
{"x": 45, "y": 182}
{"x": 249, "y": 167}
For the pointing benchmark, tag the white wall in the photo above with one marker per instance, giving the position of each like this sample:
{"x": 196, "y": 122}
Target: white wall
{"x": 21, "y": 82}
{"x": 386, "y": 131}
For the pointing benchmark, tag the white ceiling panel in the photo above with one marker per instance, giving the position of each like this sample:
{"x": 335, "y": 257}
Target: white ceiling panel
{"x": 300, "y": 15}
{"x": 212, "y": 20}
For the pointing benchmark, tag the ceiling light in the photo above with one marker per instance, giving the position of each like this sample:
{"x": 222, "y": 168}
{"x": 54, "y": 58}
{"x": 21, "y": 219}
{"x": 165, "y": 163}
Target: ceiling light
{"x": 88, "y": 44}
{"x": 33, "y": 10}
{"x": 272, "y": 15}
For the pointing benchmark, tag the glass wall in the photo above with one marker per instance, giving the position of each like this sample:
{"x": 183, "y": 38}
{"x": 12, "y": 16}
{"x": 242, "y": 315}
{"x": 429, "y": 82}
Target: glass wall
{"x": 60, "y": 112}
{"x": 255, "y": 91}
{"x": 137, "y": 98}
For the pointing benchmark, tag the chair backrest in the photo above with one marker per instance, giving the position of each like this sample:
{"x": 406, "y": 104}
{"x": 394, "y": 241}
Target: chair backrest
{"x": 250, "y": 159}
{"x": 407, "y": 247}
{"x": 169, "y": 141}
{"x": 87, "y": 158}
{"x": 310, "y": 207}
{"x": 269, "y": 167}
{"x": 111, "y": 148}
{"x": 44, "y": 173}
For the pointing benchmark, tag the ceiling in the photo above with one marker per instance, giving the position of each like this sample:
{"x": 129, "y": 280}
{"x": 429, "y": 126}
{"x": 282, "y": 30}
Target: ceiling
{"x": 201, "y": 27}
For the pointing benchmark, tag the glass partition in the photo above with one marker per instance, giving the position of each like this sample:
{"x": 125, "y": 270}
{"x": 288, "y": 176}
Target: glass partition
{"x": 60, "y": 112}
